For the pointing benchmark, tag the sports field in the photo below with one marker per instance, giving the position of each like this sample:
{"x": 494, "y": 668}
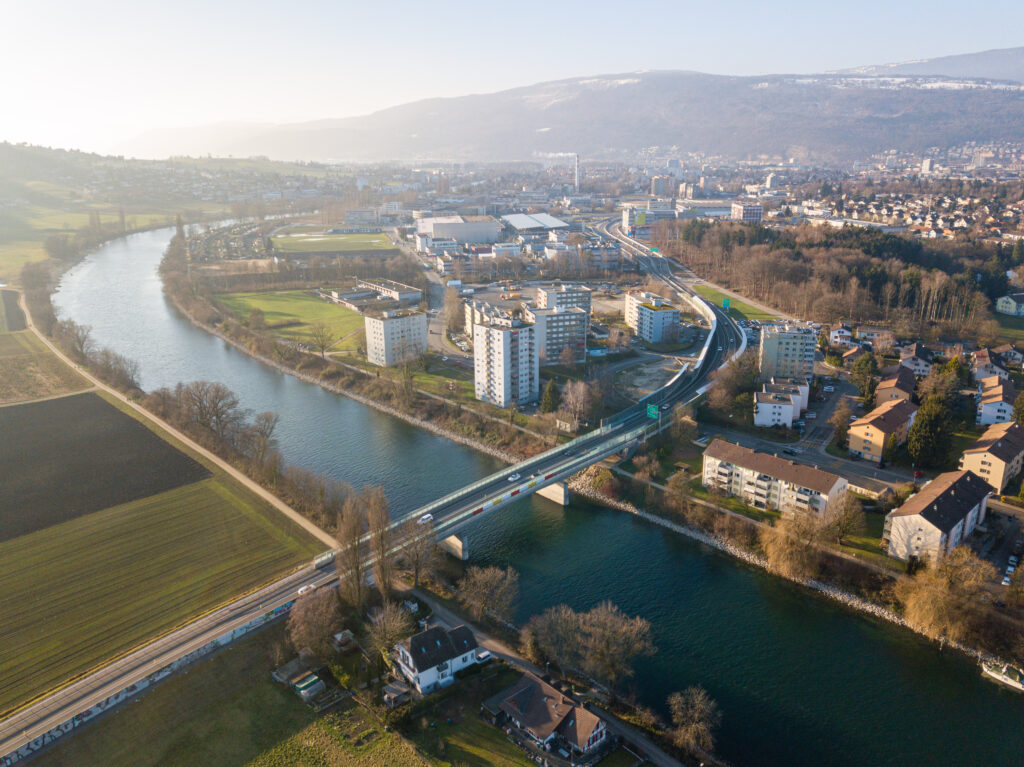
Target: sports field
{"x": 28, "y": 370}
{"x": 738, "y": 309}
{"x": 80, "y": 592}
{"x": 313, "y": 242}
{"x": 290, "y": 313}
{"x": 68, "y": 457}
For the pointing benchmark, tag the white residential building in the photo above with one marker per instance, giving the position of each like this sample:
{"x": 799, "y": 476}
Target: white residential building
{"x": 395, "y": 336}
{"x": 506, "y": 363}
{"x": 565, "y": 297}
{"x": 938, "y": 518}
{"x": 557, "y": 328}
{"x": 787, "y": 351}
{"x": 430, "y": 659}
{"x": 995, "y": 401}
{"x": 840, "y": 336}
{"x": 749, "y": 213}
{"x": 652, "y": 317}
{"x": 766, "y": 481}
{"x": 775, "y": 409}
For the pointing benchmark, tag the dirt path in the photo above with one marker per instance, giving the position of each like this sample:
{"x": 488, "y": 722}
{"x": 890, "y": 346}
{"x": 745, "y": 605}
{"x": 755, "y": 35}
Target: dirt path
{"x": 234, "y": 473}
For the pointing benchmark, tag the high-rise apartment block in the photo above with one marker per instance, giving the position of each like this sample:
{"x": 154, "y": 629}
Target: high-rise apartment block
{"x": 557, "y": 329}
{"x": 787, "y": 352}
{"x": 652, "y": 317}
{"x": 395, "y": 336}
{"x": 506, "y": 364}
{"x": 565, "y": 297}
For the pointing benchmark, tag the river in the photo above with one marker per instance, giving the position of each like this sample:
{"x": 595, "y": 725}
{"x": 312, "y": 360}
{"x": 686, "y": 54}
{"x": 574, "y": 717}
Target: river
{"x": 800, "y": 680}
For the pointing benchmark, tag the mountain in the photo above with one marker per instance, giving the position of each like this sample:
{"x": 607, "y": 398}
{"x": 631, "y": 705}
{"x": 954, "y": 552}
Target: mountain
{"x": 999, "y": 64}
{"x": 821, "y": 118}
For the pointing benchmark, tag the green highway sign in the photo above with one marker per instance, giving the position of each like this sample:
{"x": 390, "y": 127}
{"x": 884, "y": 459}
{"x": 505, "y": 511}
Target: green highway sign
{"x": 725, "y": 303}
{"x": 652, "y": 411}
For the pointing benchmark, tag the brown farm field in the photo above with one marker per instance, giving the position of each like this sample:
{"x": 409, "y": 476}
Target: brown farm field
{"x": 28, "y": 370}
{"x": 11, "y": 316}
{"x": 67, "y": 457}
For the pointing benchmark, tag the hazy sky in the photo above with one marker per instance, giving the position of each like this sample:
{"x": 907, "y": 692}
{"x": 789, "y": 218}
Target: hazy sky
{"x": 90, "y": 74}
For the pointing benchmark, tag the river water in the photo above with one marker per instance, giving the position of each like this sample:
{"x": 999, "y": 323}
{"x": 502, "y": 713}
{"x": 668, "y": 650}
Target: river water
{"x": 800, "y": 680}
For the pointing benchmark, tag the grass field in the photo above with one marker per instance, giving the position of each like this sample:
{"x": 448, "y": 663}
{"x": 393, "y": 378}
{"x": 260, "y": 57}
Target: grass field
{"x": 1012, "y": 328}
{"x": 12, "y": 318}
{"x": 67, "y": 457}
{"x": 290, "y": 313}
{"x": 311, "y": 242}
{"x": 229, "y": 713}
{"x": 28, "y": 370}
{"x": 78, "y": 593}
{"x": 739, "y": 310}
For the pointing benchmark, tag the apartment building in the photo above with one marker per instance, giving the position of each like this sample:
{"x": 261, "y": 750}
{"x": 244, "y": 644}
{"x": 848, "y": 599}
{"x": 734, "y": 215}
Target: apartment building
{"x": 997, "y": 456}
{"x": 986, "y": 363}
{"x": 748, "y": 213}
{"x": 995, "y": 399}
{"x": 917, "y": 358}
{"x": 766, "y": 481}
{"x": 868, "y": 436}
{"x": 780, "y": 402}
{"x": 938, "y": 518}
{"x": 559, "y": 328}
{"x": 565, "y": 297}
{"x": 786, "y": 351}
{"x": 901, "y": 384}
{"x": 652, "y": 317}
{"x": 506, "y": 363}
{"x": 395, "y": 336}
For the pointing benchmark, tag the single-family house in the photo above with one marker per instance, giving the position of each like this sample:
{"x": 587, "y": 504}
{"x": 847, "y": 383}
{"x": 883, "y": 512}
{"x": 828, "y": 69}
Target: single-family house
{"x": 986, "y": 363}
{"x": 995, "y": 401}
{"x": 1012, "y": 304}
{"x": 841, "y": 336}
{"x": 852, "y": 354}
{"x": 869, "y": 435}
{"x": 550, "y": 718}
{"x": 901, "y": 384}
{"x": 430, "y": 659}
{"x": 879, "y": 338}
{"x": 997, "y": 456}
{"x": 1010, "y": 354}
{"x": 935, "y": 520}
{"x": 917, "y": 358}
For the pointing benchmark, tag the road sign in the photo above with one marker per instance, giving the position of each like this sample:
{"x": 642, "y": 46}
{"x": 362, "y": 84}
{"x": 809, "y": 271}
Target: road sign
{"x": 652, "y": 411}
{"x": 654, "y": 250}
{"x": 725, "y": 303}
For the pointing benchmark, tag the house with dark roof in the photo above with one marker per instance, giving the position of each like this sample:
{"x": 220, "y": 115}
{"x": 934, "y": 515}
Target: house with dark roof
{"x": 995, "y": 400}
{"x": 917, "y": 358}
{"x": 938, "y": 518}
{"x": 766, "y": 481}
{"x": 998, "y": 455}
{"x": 899, "y": 385}
{"x": 986, "y": 363}
{"x": 430, "y": 659}
{"x": 552, "y": 719}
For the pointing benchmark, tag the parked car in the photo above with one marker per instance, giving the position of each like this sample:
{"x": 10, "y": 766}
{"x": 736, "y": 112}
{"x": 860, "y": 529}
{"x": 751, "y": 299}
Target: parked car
{"x": 811, "y": 415}
{"x": 1006, "y": 580}
{"x": 1014, "y": 560}
{"x": 1010, "y": 570}
{"x": 828, "y": 388}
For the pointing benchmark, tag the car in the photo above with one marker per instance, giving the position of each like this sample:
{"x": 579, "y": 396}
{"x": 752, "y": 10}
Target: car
{"x": 800, "y": 423}
{"x": 719, "y": 348}
{"x": 1011, "y": 570}
{"x": 665, "y": 406}
{"x": 444, "y": 359}
{"x": 853, "y": 418}
{"x": 309, "y": 588}
{"x": 811, "y": 414}
{"x": 513, "y": 477}
{"x": 828, "y": 388}
{"x": 424, "y": 519}
{"x": 1014, "y": 560}
{"x": 789, "y": 451}
{"x": 1006, "y": 580}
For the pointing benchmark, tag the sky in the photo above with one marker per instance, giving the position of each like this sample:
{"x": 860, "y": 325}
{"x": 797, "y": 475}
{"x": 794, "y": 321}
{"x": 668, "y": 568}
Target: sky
{"x": 93, "y": 75}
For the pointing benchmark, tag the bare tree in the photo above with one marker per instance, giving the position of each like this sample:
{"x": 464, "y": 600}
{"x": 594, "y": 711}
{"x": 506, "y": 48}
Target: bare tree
{"x": 840, "y": 420}
{"x": 454, "y": 312}
{"x": 694, "y": 718}
{"x": 261, "y": 436}
{"x": 389, "y": 624}
{"x": 78, "y": 338}
{"x": 313, "y": 619}
{"x": 351, "y": 526}
{"x": 611, "y": 640}
{"x": 419, "y": 548}
{"x": 845, "y": 518}
{"x": 791, "y": 546}
{"x": 378, "y": 513}
{"x": 567, "y": 357}
{"x": 577, "y": 400}
{"x": 322, "y": 337}
{"x": 554, "y": 635}
{"x": 491, "y": 590}
{"x": 212, "y": 406}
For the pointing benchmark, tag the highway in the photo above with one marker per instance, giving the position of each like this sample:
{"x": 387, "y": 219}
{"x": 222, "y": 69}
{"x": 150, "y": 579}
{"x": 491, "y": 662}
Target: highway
{"x": 450, "y": 513}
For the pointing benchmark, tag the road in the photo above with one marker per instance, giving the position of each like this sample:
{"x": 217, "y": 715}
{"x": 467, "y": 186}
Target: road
{"x": 449, "y": 513}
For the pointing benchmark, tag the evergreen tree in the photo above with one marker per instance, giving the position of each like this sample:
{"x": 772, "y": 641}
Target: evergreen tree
{"x": 863, "y": 373}
{"x": 891, "y": 450}
{"x": 551, "y": 399}
{"x": 1018, "y": 408}
{"x": 931, "y": 436}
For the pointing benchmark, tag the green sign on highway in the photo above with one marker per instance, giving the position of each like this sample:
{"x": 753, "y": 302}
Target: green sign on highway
{"x": 725, "y": 303}
{"x": 652, "y": 411}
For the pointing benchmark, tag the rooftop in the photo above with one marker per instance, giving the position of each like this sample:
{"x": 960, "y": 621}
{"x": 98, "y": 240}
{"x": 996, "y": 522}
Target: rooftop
{"x": 887, "y": 417}
{"x": 946, "y": 499}
{"x": 779, "y": 468}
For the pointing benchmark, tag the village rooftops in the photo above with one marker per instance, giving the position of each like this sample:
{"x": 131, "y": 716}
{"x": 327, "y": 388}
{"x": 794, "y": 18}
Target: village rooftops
{"x": 995, "y": 389}
{"x": 947, "y": 499}
{"x": 888, "y": 417}
{"x": 775, "y": 467}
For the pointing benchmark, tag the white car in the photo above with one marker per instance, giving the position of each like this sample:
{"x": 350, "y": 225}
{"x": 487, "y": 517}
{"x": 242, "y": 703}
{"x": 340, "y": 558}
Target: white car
{"x": 1011, "y": 570}
{"x": 309, "y": 588}
{"x": 828, "y": 388}
{"x": 811, "y": 414}
{"x": 424, "y": 519}
{"x": 513, "y": 477}
{"x": 444, "y": 359}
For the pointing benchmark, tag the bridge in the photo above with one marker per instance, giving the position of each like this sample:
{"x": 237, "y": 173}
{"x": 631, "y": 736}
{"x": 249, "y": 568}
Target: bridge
{"x": 56, "y": 715}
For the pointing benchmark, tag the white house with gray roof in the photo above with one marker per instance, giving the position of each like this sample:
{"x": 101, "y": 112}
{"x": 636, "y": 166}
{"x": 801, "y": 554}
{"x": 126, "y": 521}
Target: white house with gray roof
{"x": 430, "y": 659}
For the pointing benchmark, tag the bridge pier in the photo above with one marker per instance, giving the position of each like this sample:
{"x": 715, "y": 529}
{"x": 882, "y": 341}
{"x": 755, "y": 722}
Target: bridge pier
{"x": 557, "y": 492}
{"x": 456, "y": 546}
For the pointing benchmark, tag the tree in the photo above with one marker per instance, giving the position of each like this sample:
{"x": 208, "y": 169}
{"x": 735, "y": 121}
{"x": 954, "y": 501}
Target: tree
{"x": 791, "y": 546}
{"x": 378, "y": 514}
{"x": 212, "y": 406}
{"x": 389, "y": 624}
{"x": 684, "y": 425}
{"x": 840, "y": 420}
{"x": 943, "y": 384}
{"x": 941, "y": 601}
{"x": 419, "y": 548}
{"x": 863, "y": 373}
{"x": 567, "y": 358}
{"x": 260, "y": 436}
{"x": 77, "y": 337}
{"x": 1018, "y": 408}
{"x": 1015, "y": 594}
{"x": 454, "y": 313}
{"x": 891, "y": 449}
{"x": 930, "y": 437}
{"x": 484, "y": 590}
{"x": 610, "y": 641}
{"x": 845, "y": 518}
{"x": 257, "y": 322}
{"x": 577, "y": 400}
{"x": 551, "y": 399}
{"x": 312, "y": 620}
{"x": 695, "y": 715}
{"x": 322, "y": 337}
{"x": 351, "y": 526}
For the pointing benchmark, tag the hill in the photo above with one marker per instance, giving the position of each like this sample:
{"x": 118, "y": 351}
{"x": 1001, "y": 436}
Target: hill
{"x": 999, "y": 64}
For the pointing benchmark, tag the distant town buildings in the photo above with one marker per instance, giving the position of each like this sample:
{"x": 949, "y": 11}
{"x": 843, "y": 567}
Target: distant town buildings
{"x": 469, "y": 229}
{"x": 396, "y": 291}
{"x": 652, "y": 317}
{"x": 766, "y": 481}
{"x": 393, "y": 337}
{"x": 506, "y": 363}
{"x": 935, "y": 520}
{"x": 786, "y": 351}
{"x": 748, "y": 213}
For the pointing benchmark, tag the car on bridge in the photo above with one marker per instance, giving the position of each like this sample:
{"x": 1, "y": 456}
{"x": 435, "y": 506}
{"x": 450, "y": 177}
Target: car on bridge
{"x": 513, "y": 477}
{"x": 309, "y": 588}
{"x": 424, "y": 519}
